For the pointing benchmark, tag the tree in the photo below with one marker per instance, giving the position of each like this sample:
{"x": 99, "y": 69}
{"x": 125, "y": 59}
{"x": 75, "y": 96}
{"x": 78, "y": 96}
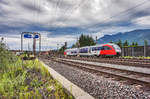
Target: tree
{"x": 74, "y": 46}
{"x": 111, "y": 41}
{"x": 136, "y": 44}
{"x": 86, "y": 40}
{"x": 145, "y": 47}
{"x": 6, "y": 57}
{"x": 62, "y": 49}
{"x": 126, "y": 43}
{"x": 119, "y": 43}
{"x": 133, "y": 44}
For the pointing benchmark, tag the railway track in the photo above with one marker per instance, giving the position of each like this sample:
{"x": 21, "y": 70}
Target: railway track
{"x": 134, "y": 76}
{"x": 121, "y": 61}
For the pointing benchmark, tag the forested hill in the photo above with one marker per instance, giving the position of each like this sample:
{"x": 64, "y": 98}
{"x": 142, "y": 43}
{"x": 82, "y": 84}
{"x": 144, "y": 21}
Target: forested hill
{"x": 133, "y": 36}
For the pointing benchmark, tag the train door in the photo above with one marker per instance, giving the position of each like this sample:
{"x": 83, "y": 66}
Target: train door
{"x": 102, "y": 52}
{"x": 98, "y": 50}
{"x": 93, "y": 50}
{"x": 90, "y": 52}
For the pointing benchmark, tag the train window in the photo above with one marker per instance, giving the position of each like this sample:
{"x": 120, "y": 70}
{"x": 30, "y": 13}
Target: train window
{"x": 102, "y": 48}
{"x": 93, "y": 48}
{"x": 84, "y": 50}
{"x": 96, "y": 48}
{"x": 73, "y": 52}
{"x": 99, "y": 48}
{"x": 107, "y": 48}
{"x": 116, "y": 47}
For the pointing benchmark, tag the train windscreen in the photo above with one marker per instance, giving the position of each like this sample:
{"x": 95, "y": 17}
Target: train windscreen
{"x": 116, "y": 47}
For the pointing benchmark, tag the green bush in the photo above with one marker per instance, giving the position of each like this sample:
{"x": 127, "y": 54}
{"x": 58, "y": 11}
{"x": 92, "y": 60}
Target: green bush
{"x": 6, "y": 57}
{"x": 26, "y": 79}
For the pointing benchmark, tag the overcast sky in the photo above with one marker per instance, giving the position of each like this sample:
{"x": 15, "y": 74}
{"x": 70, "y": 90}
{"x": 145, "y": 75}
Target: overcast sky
{"x": 59, "y": 21}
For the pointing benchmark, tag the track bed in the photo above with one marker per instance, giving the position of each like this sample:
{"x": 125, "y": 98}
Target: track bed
{"x": 100, "y": 85}
{"x": 121, "y": 61}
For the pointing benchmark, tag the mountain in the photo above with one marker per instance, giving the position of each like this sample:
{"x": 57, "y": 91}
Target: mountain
{"x": 132, "y": 36}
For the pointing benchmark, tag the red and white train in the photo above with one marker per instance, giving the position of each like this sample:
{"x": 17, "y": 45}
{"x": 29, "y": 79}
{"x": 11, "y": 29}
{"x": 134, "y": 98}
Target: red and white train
{"x": 109, "y": 49}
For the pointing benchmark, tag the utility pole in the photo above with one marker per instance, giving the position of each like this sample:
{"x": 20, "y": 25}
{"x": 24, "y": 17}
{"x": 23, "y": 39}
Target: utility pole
{"x": 28, "y": 47}
{"x": 34, "y": 45}
{"x": 22, "y": 42}
{"x": 96, "y": 39}
{"x": 39, "y": 43}
{"x": 78, "y": 46}
{"x": 2, "y": 39}
{"x": 57, "y": 47}
{"x": 65, "y": 44}
{"x": 145, "y": 47}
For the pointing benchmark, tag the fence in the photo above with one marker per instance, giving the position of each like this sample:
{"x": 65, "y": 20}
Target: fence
{"x": 136, "y": 51}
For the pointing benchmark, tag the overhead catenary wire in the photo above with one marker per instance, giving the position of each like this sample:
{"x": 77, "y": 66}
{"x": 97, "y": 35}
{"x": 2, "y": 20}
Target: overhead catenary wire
{"x": 57, "y": 6}
{"x": 34, "y": 13}
{"x": 39, "y": 10}
{"x": 104, "y": 21}
{"x": 70, "y": 11}
{"x": 75, "y": 8}
{"x": 67, "y": 10}
{"x": 122, "y": 12}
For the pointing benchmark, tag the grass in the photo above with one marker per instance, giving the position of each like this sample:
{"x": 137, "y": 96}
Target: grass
{"x": 131, "y": 57}
{"x": 27, "y": 79}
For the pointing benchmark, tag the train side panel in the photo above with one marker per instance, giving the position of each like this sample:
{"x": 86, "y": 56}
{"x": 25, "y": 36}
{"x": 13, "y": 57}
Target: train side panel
{"x": 108, "y": 50}
{"x": 85, "y": 51}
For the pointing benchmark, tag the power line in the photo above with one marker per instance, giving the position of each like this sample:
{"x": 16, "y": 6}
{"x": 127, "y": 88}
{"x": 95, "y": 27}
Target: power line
{"x": 75, "y": 8}
{"x": 72, "y": 10}
{"x": 57, "y": 6}
{"x": 105, "y": 20}
{"x": 56, "y": 10}
{"x": 34, "y": 14}
{"x": 39, "y": 10}
{"x": 122, "y": 12}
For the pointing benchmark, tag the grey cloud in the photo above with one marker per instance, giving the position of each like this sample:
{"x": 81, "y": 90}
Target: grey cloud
{"x": 32, "y": 7}
{"x": 4, "y": 2}
{"x": 62, "y": 17}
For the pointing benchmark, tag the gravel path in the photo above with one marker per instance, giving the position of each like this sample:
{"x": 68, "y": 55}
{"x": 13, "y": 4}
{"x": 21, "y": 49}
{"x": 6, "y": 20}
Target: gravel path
{"x": 99, "y": 86}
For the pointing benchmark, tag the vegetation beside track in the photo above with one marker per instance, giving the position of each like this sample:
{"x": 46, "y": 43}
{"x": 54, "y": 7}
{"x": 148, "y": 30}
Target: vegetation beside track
{"x": 131, "y": 57}
{"x": 26, "y": 79}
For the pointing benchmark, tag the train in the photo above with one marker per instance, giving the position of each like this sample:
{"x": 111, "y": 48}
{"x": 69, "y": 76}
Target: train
{"x": 101, "y": 50}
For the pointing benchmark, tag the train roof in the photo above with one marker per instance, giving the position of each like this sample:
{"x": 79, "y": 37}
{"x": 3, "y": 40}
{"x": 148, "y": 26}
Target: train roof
{"x": 92, "y": 46}
{"x": 71, "y": 49}
{"x": 103, "y": 44}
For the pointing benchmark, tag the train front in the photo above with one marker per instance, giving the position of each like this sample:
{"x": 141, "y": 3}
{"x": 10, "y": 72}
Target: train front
{"x": 117, "y": 49}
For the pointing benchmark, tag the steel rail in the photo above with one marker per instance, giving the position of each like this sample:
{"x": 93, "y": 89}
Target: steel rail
{"x": 110, "y": 73}
{"x": 115, "y": 61}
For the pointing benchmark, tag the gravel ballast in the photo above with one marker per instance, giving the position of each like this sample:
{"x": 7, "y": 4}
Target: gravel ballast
{"x": 99, "y": 86}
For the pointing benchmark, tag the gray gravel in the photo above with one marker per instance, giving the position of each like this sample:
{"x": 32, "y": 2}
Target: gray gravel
{"x": 99, "y": 86}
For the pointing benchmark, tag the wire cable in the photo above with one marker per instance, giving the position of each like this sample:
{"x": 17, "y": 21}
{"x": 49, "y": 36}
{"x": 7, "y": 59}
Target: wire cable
{"x": 122, "y": 12}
